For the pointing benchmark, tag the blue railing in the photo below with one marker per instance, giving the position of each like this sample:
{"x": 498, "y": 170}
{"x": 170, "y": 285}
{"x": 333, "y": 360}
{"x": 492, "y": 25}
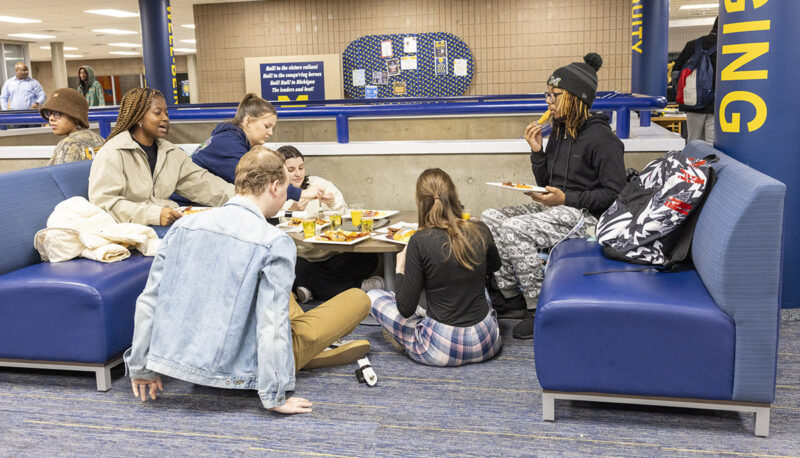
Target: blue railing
{"x": 343, "y": 110}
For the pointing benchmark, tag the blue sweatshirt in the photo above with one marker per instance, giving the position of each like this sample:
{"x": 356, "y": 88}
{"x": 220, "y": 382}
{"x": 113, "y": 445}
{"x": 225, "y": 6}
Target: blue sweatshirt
{"x": 220, "y": 154}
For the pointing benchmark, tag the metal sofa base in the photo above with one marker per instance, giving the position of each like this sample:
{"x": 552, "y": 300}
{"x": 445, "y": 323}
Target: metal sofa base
{"x": 760, "y": 410}
{"x": 102, "y": 371}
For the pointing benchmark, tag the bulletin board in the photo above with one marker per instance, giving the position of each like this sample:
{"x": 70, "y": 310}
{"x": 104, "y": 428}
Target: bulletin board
{"x": 407, "y": 65}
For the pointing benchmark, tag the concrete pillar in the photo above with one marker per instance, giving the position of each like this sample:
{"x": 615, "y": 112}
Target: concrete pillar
{"x": 59, "y": 65}
{"x": 157, "y": 53}
{"x": 649, "y": 40}
{"x": 191, "y": 64}
{"x": 756, "y": 102}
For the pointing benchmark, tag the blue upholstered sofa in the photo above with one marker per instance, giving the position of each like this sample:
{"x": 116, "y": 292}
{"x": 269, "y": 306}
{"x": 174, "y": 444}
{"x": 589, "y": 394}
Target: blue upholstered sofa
{"x": 74, "y": 315}
{"x": 704, "y": 338}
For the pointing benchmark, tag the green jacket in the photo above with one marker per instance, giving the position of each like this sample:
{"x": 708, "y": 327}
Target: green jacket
{"x": 93, "y": 91}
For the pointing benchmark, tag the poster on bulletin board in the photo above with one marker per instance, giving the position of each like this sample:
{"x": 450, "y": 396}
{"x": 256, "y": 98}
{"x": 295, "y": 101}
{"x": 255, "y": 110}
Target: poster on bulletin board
{"x": 422, "y": 64}
{"x": 288, "y": 78}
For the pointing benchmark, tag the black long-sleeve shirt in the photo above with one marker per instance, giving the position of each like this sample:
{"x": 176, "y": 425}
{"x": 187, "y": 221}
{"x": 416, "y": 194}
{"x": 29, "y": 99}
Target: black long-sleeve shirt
{"x": 589, "y": 169}
{"x": 455, "y": 295}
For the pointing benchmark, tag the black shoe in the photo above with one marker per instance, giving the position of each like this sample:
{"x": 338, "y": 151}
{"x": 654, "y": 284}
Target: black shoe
{"x": 524, "y": 329}
{"x": 511, "y": 308}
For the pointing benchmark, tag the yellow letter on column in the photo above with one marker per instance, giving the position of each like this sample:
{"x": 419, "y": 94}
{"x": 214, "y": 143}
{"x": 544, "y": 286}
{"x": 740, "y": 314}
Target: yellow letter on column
{"x": 734, "y": 124}
{"x": 750, "y": 52}
{"x": 737, "y": 6}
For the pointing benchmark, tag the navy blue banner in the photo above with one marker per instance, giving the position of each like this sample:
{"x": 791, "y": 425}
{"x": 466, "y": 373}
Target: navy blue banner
{"x": 756, "y": 102}
{"x": 293, "y": 81}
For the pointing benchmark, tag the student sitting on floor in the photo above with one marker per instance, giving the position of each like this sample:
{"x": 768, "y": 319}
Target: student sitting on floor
{"x": 320, "y": 273}
{"x": 448, "y": 257}
{"x": 217, "y": 309}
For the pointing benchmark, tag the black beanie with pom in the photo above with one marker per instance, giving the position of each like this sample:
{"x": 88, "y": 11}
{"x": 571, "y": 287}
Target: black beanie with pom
{"x": 579, "y": 78}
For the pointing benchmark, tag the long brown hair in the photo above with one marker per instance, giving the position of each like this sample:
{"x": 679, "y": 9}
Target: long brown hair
{"x": 438, "y": 206}
{"x": 134, "y": 106}
{"x": 574, "y": 111}
{"x": 253, "y": 106}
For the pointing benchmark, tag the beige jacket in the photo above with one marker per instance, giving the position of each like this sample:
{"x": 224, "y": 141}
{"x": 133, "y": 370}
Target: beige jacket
{"x": 78, "y": 228}
{"x": 120, "y": 181}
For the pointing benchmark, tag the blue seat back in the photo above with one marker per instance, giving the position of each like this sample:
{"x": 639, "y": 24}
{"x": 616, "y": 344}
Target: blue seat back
{"x": 736, "y": 249}
{"x": 72, "y": 178}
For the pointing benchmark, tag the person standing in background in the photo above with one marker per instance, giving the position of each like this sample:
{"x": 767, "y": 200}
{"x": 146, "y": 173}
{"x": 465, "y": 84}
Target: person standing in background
{"x": 90, "y": 87}
{"x": 699, "y": 121}
{"x": 21, "y": 92}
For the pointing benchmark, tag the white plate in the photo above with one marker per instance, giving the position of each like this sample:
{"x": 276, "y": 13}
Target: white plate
{"x": 533, "y": 188}
{"x": 331, "y": 242}
{"x": 194, "y": 209}
{"x": 381, "y": 214}
{"x": 400, "y": 226}
{"x": 299, "y": 228}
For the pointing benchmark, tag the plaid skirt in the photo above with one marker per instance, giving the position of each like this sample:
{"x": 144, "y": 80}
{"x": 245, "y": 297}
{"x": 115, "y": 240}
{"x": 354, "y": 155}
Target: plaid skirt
{"x": 430, "y": 342}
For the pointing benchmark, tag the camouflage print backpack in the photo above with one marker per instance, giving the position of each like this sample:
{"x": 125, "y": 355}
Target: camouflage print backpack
{"x": 653, "y": 218}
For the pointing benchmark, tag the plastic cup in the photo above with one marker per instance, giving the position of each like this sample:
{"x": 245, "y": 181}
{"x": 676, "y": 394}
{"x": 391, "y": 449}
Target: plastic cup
{"x": 336, "y": 221}
{"x": 466, "y": 215}
{"x": 355, "y": 216}
{"x": 309, "y": 227}
{"x": 366, "y": 224}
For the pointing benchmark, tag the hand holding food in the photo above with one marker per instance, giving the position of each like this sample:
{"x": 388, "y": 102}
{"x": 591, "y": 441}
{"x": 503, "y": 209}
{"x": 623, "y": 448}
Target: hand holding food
{"x": 533, "y": 135}
{"x": 168, "y": 216}
{"x": 553, "y": 196}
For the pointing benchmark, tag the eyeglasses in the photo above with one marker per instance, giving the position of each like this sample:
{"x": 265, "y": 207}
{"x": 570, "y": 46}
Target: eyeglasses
{"x": 552, "y": 96}
{"x": 55, "y": 114}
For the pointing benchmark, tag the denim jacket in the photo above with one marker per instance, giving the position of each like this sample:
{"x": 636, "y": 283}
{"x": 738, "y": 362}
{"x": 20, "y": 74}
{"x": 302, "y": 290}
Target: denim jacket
{"x": 215, "y": 310}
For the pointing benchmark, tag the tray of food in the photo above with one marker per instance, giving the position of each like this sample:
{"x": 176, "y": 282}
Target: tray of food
{"x": 296, "y": 224}
{"x": 374, "y": 214}
{"x": 192, "y": 210}
{"x": 519, "y": 187}
{"x": 339, "y": 237}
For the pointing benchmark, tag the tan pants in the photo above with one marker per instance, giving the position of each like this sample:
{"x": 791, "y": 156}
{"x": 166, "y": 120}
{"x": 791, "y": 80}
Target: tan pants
{"x": 315, "y": 330}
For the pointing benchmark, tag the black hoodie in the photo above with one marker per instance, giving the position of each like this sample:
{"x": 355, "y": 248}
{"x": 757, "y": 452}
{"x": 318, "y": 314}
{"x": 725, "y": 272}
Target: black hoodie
{"x": 589, "y": 169}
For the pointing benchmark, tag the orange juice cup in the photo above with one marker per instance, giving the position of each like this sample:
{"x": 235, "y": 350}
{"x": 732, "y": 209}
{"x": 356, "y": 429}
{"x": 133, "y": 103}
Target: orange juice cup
{"x": 355, "y": 216}
{"x": 309, "y": 227}
{"x": 366, "y": 224}
{"x": 466, "y": 215}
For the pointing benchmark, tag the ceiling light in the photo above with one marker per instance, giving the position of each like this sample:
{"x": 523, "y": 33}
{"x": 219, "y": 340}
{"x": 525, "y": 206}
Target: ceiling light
{"x": 192, "y": 41}
{"x": 66, "y": 48}
{"x": 126, "y": 45}
{"x": 113, "y": 13}
{"x": 124, "y": 53}
{"x": 703, "y": 6}
{"x": 693, "y": 22}
{"x": 114, "y": 31}
{"x": 188, "y": 26}
{"x": 33, "y": 36}
{"x": 189, "y": 50}
{"x": 73, "y": 55}
{"x": 19, "y": 20}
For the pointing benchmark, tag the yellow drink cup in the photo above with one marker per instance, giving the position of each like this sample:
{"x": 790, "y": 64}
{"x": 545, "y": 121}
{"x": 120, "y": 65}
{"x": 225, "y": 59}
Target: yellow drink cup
{"x": 355, "y": 216}
{"x": 366, "y": 224}
{"x": 309, "y": 227}
{"x": 336, "y": 221}
{"x": 466, "y": 215}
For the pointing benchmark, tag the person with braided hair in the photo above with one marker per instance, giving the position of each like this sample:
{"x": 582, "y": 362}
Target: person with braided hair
{"x": 582, "y": 169}
{"x": 136, "y": 170}
{"x": 449, "y": 258}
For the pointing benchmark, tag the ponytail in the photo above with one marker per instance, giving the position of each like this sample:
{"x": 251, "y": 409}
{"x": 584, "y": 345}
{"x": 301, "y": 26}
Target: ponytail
{"x": 253, "y": 106}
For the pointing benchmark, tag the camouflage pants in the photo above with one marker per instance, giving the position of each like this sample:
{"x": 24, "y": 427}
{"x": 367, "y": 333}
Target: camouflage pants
{"x": 520, "y": 233}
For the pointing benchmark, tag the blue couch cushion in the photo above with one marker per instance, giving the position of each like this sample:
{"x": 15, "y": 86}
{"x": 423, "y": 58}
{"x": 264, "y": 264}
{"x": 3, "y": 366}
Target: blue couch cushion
{"x": 29, "y": 196}
{"x": 736, "y": 250}
{"x": 637, "y": 333}
{"x": 72, "y": 178}
{"x": 76, "y": 311}
{"x": 576, "y": 248}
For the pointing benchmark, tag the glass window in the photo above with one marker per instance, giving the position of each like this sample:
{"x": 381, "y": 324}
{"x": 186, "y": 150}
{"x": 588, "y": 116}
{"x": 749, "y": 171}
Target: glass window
{"x": 11, "y": 55}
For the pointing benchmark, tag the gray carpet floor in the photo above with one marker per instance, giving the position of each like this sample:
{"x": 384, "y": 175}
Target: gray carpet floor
{"x": 488, "y": 409}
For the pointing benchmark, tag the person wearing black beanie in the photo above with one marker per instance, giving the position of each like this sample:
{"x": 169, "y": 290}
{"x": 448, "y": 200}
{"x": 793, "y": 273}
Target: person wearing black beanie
{"x": 582, "y": 169}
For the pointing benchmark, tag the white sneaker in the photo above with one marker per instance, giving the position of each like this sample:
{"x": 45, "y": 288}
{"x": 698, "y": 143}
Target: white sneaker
{"x": 373, "y": 282}
{"x": 303, "y": 294}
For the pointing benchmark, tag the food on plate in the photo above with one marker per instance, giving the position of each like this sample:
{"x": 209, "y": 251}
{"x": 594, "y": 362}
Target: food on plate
{"x": 190, "y": 210}
{"x": 400, "y": 235}
{"x": 370, "y": 214}
{"x": 299, "y": 221}
{"x": 544, "y": 118}
{"x": 517, "y": 185}
{"x": 341, "y": 236}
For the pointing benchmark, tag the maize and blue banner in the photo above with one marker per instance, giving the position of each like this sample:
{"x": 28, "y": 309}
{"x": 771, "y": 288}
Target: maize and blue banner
{"x": 293, "y": 81}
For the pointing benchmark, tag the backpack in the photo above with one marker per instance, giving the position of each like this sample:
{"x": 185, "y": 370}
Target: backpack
{"x": 652, "y": 220}
{"x": 696, "y": 81}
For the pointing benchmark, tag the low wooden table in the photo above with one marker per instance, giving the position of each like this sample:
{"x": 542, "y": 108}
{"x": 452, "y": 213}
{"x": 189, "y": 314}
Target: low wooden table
{"x": 373, "y": 245}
